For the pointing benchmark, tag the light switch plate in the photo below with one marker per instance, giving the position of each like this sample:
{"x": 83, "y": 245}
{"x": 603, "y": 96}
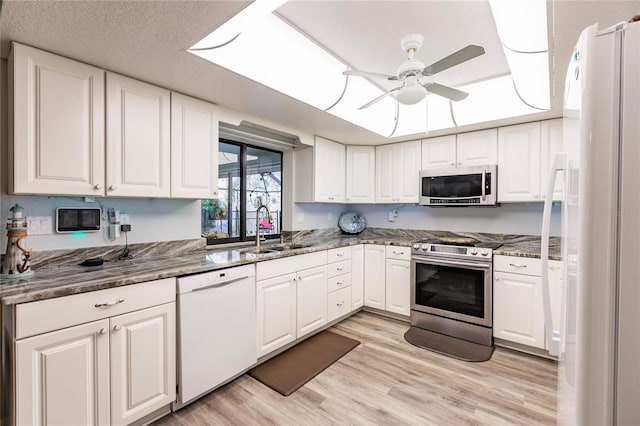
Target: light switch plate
{"x": 39, "y": 225}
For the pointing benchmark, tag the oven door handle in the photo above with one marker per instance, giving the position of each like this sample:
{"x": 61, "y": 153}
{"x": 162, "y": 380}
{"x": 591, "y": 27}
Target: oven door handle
{"x": 472, "y": 265}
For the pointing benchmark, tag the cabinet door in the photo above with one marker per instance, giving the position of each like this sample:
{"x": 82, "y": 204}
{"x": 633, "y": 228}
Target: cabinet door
{"x": 398, "y": 279}
{"x": 374, "y": 276}
{"x": 194, "y": 148}
{"x": 551, "y": 142}
{"x": 328, "y": 171}
{"x": 406, "y": 171}
{"x": 360, "y": 174}
{"x": 143, "y": 362}
{"x": 517, "y": 309}
{"x": 477, "y": 148}
{"x": 519, "y": 163}
{"x": 357, "y": 276}
{"x": 439, "y": 153}
{"x": 62, "y": 377}
{"x": 312, "y": 300}
{"x": 384, "y": 174}
{"x": 138, "y": 138}
{"x": 275, "y": 312}
{"x": 57, "y": 126}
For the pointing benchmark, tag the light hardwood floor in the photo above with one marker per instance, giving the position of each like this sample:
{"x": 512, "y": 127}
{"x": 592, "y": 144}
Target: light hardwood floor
{"x": 385, "y": 380}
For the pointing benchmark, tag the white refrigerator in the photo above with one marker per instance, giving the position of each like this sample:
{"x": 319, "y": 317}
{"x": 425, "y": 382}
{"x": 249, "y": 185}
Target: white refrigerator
{"x": 598, "y": 342}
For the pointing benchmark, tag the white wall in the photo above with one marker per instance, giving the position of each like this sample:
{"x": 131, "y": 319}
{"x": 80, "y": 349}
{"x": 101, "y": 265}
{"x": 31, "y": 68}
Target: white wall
{"x": 525, "y": 218}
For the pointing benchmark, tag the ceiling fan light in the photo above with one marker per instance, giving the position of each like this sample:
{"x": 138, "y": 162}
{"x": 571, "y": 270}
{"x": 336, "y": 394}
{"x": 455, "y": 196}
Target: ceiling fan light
{"x": 411, "y": 94}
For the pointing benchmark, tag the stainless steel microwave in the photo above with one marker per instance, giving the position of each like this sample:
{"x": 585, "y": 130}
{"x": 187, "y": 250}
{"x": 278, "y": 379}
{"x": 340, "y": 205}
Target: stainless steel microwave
{"x": 459, "y": 186}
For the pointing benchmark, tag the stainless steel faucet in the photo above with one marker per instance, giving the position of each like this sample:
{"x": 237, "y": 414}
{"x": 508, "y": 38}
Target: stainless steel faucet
{"x": 260, "y": 207}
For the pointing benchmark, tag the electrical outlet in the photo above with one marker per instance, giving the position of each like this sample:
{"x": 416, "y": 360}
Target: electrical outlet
{"x": 124, "y": 219}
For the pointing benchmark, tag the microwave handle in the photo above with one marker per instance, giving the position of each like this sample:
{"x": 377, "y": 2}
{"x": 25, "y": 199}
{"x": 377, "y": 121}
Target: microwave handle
{"x": 484, "y": 182}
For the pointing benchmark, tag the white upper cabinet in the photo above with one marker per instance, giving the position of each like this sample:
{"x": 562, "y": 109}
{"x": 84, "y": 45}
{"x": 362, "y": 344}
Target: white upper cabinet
{"x": 464, "y": 149}
{"x": 525, "y": 153}
{"x": 519, "y": 163}
{"x": 138, "y": 138}
{"x": 320, "y": 172}
{"x": 397, "y": 171}
{"x": 439, "y": 153}
{"x": 477, "y": 148}
{"x": 57, "y": 123}
{"x": 551, "y": 142}
{"x": 360, "y": 174}
{"x": 194, "y": 148}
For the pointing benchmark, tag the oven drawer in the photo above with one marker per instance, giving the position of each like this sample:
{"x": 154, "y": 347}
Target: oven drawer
{"x": 397, "y": 252}
{"x": 517, "y": 265}
{"x": 338, "y": 282}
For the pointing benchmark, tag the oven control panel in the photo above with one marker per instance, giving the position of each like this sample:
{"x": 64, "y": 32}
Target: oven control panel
{"x": 426, "y": 249}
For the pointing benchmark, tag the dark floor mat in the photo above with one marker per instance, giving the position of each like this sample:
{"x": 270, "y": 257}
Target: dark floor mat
{"x": 447, "y": 345}
{"x": 293, "y": 368}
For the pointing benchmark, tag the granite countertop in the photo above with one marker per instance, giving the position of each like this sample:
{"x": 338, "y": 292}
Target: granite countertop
{"x": 51, "y": 282}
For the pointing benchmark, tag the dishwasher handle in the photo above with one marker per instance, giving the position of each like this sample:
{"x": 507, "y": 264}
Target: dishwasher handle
{"x": 222, "y": 284}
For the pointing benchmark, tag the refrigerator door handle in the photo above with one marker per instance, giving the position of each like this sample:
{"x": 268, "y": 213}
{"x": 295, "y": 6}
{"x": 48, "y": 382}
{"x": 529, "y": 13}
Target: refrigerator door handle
{"x": 558, "y": 163}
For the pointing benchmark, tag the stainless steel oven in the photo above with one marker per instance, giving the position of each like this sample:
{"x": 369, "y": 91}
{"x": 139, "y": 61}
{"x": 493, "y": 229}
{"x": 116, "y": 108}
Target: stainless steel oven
{"x": 451, "y": 290}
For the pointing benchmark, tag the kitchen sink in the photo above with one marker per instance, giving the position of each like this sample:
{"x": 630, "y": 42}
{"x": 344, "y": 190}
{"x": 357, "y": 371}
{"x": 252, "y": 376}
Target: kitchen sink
{"x": 277, "y": 248}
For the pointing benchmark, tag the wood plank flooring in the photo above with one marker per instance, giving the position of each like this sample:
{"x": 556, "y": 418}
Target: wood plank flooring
{"x": 387, "y": 381}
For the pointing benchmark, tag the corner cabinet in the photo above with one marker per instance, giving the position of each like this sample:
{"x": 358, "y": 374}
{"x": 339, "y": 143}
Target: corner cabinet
{"x": 397, "y": 172}
{"x": 320, "y": 172}
{"x": 194, "y": 148}
{"x": 138, "y": 138}
{"x": 56, "y": 124}
{"x": 116, "y": 367}
{"x": 374, "y": 276}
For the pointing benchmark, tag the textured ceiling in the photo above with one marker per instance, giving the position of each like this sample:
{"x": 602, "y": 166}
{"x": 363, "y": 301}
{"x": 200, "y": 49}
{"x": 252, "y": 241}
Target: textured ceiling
{"x": 147, "y": 40}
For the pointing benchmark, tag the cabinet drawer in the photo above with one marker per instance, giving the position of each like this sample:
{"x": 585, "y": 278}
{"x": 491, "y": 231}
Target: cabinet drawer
{"x": 287, "y": 265}
{"x": 53, "y": 314}
{"x": 339, "y": 303}
{"x": 338, "y": 254}
{"x": 339, "y": 268}
{"x": 400, "y": 253}
{"x": 517, "y": 265}
{"x": 338, "y": 282}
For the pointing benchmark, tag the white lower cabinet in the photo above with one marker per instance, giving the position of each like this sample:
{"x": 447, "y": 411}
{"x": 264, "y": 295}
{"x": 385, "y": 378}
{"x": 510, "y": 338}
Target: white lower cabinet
{"x": 276, "y": 312}
{"x": 338, "y": 303}
{"x": 357, "y": 276}
{"x": 374, "y": 276}
{"x": 117, "y": 367}
{"x": 290, "y": 304}
{"x": 518, "y": 313}
{"x": 398, "y": 280}
{"x": 311, "y": 300}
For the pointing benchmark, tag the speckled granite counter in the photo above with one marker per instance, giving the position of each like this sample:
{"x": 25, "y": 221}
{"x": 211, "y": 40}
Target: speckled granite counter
{"x": 53, "y": 281}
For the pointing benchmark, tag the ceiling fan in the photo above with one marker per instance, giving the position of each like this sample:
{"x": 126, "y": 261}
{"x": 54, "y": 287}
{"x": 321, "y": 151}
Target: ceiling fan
{"x": 410, "y": 71}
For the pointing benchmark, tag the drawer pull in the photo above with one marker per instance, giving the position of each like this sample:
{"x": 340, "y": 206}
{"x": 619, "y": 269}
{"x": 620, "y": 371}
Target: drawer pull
{"x": 398, "y": 252}
{"x": 340, "y": 268}
{"x": 113, "y": 302}
{"x": 339, "y": 283}
{"x": 339, "y": 303}
{"x": 103, "y": 330}
{"x": 339, "y": 254}
{"x": 117, "y": 327}
{"x": 517, "y": 265}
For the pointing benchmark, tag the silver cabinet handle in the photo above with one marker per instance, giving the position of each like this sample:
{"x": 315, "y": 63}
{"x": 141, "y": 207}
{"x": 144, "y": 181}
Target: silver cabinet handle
{"x": 452, "y": 164}
{"x": 340, "y": 304}
{"x": 97, "y": 186}
{"x": 340, "y": 268}
{"x": 339, "y": 254}
{"x": 398, "y": 252}
{"x": 517, "y": 265}
{"x": 484, "y": 182}
{"x": 113, "y": 302}
{"x": 339, "y": 283}
{"x": 117, "y": 327}
{"x": 103, "y": 330}
{"x": 112, "y": 187}
{"x": 299, "y": 278}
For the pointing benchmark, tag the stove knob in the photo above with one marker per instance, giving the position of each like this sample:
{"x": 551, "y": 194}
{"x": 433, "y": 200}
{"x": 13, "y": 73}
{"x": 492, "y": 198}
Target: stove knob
{"x": 473, "y": 251}
{"x": 484, "y": 252}
{"x": 416, "y": 246}
{"x": 424, "y": 246}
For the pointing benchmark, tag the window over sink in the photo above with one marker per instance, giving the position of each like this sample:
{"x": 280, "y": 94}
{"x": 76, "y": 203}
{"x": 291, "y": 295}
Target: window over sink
{"x": 247, "y": 176}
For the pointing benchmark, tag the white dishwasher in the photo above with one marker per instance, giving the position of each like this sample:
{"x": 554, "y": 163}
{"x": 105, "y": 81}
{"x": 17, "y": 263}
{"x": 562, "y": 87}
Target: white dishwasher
{"x": 216, "y": 329}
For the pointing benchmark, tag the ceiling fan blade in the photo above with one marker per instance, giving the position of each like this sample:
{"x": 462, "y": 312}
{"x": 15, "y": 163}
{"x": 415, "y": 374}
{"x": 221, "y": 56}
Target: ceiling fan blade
{"x": 462, "y": 55}
{"x": 446, "y": 91}
{"x": 379, "y": 98}
{"x": 369, "y": 74}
